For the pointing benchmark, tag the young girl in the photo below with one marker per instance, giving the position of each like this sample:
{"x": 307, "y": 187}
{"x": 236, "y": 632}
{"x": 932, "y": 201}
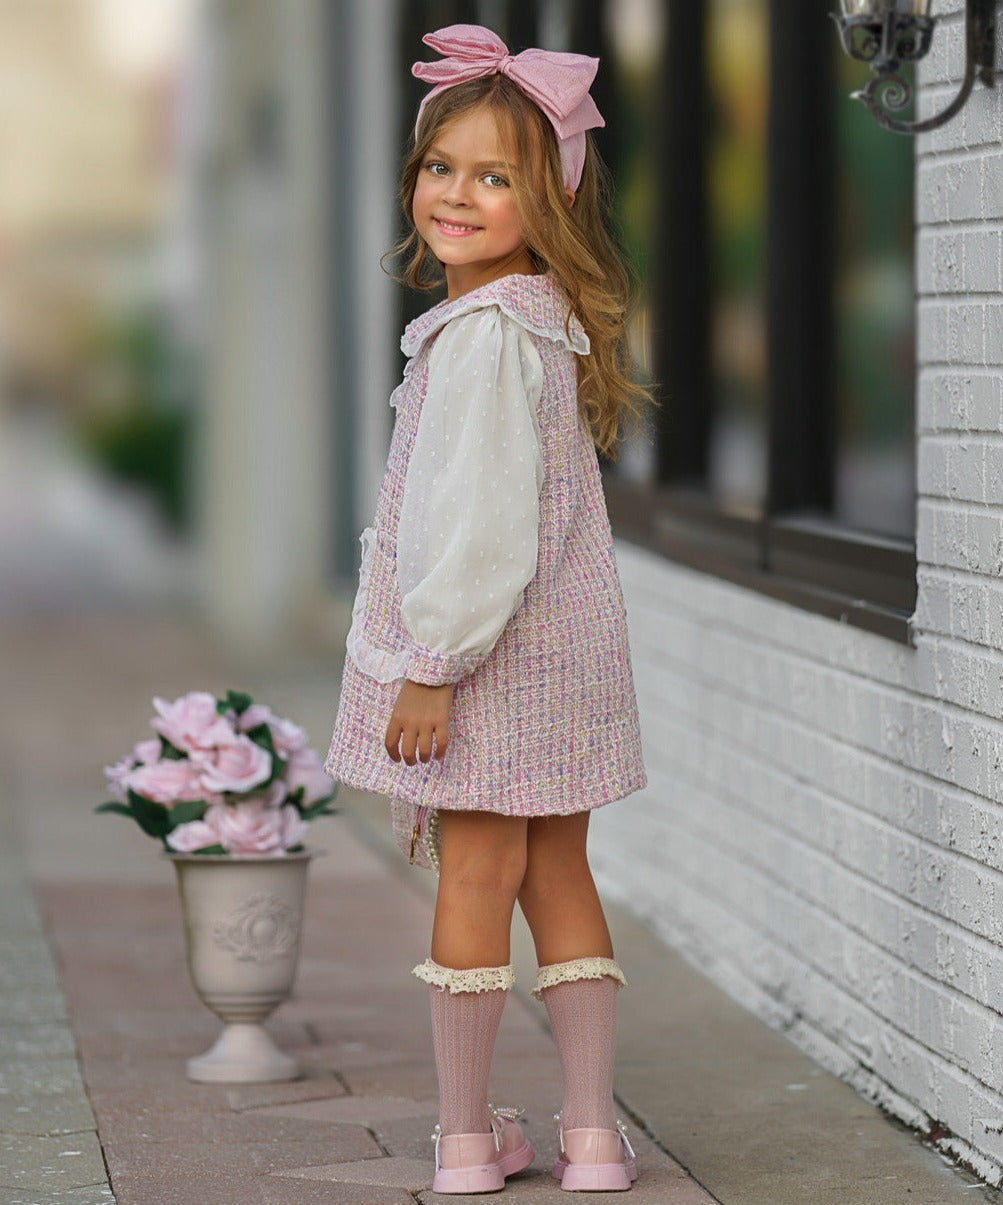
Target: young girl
{"x": 487, "y": 689}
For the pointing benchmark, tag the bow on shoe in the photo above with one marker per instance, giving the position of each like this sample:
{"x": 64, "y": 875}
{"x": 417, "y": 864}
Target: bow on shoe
{"x": 557, "y": 81}
{"x": 498, "y": 1115}
{"x": 507, "y": 1112}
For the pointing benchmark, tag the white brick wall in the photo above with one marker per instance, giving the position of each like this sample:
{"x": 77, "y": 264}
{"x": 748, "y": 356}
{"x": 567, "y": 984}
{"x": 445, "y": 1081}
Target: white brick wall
{"x": 823, "y": 829}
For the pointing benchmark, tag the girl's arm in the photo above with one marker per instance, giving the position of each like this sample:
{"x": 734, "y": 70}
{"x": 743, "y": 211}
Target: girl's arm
{"x": 468, "y": 531}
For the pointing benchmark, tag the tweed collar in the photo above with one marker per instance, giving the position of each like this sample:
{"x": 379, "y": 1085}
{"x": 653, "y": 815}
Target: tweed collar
{"x": 535, "y": 302}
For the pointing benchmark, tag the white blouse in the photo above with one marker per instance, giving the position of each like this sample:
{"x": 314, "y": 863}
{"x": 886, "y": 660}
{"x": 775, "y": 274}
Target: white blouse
{"x": 468, "y": 529}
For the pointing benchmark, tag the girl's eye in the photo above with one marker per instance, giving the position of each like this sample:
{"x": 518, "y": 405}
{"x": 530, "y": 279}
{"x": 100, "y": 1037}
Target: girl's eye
{"x": 437, "y": 169}
{"x": 492, "y": 180}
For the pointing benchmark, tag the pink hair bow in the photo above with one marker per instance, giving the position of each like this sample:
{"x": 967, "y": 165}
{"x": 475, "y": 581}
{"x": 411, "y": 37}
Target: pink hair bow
{"x": 559, "y": 83}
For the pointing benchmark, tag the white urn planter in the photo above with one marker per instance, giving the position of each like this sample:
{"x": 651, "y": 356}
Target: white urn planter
{"x": 243, "y": 915}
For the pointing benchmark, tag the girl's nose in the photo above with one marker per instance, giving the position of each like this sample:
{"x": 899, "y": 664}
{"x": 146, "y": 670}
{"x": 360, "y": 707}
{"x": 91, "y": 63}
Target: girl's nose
{"x": 458, "y": 192}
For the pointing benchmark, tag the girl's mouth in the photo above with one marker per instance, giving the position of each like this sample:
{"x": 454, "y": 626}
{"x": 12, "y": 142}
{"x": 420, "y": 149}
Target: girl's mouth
{"x": 454, "y": 229}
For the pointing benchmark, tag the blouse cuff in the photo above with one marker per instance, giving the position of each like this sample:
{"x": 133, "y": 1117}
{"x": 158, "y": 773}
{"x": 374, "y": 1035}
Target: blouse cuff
{"x": 439, "y": 669}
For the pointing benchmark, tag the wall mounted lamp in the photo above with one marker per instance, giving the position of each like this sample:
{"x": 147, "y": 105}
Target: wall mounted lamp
{"x": 888, "y": 33}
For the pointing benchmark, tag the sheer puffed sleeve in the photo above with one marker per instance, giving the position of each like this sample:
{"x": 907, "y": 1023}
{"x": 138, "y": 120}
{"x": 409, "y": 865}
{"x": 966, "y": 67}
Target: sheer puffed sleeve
{"x": 468, "y": 530}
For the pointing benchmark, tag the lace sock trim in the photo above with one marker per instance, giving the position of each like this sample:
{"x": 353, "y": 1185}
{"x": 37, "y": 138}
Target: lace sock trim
{"x": 477, "y": 979}
{"x": 577, "y": 968}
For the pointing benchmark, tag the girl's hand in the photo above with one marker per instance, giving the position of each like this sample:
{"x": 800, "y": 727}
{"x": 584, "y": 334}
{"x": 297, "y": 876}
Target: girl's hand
{"x": 420, "y": 713}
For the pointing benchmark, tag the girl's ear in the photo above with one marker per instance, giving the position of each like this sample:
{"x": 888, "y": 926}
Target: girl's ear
{"x": 569, "y": 193}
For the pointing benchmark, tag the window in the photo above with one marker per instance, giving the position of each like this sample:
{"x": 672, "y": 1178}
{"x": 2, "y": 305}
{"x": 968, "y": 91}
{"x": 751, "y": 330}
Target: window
{"x": 778, "y": 313}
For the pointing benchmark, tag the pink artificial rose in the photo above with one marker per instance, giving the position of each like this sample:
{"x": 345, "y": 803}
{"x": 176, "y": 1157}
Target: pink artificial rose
{"x": 167, "y": 782}
{"x": 251, "y": 717}
{"x": 192, "y": 723}
{"x": 146, "y": 753}
{"x": 250, "y": 827}
{"x": 275, "y": 796}
{"x": 286, "y": 736}
{"x": 289, "y": 737}
{"x": 187, "y": 838}
{"x": 239, "y": 767}
{"x": 117, "y": 774}
{"x": 305, "y": 770}
{"x": 292, "y": 827}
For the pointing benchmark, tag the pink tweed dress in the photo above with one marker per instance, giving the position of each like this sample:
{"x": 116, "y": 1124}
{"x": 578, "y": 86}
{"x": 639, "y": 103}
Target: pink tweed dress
{"x": 545, "y": 722}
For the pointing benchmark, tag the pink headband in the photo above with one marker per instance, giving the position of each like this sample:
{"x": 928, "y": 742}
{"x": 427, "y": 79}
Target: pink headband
{"x": 558, "y": 83}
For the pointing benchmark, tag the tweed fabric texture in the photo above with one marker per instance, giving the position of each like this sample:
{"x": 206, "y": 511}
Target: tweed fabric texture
{"x": 546, "y": 723}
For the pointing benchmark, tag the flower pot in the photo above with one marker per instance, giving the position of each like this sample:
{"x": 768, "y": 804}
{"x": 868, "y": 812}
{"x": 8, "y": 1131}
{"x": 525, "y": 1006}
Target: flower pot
{"x": 243, "y": 915}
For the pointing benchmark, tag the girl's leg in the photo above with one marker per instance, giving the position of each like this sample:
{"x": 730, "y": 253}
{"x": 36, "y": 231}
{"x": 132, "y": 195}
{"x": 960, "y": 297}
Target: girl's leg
{"x": 578, "y": 982}
{"x": 482, "y": 862}
{"x": 558, "y": 896}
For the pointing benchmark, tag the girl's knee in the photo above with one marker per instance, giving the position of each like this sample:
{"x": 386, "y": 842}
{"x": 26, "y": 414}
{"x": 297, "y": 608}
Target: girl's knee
{"x": 501, "y": 871}
{"x": 483, "y": 852}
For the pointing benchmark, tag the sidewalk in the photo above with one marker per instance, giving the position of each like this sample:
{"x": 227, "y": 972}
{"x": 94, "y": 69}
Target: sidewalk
{"x": 720, "y": 1108}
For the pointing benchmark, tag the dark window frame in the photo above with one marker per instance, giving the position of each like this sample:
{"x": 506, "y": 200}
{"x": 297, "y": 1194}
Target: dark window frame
{"x": 793, "y": 551}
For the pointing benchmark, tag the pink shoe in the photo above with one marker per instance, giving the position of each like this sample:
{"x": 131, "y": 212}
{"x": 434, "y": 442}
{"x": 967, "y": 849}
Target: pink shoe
{"x": 594, "y": 1160}
{"x": 468, "y": 1163}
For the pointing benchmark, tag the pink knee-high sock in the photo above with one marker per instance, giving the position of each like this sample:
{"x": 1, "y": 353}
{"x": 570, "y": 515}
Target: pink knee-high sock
{"x": 464, "y": 1027}
{"x": 583, "y": 1019}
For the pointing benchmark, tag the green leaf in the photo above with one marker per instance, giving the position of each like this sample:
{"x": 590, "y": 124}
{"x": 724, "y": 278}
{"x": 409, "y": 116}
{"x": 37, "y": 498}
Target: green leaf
{"x": 186, "y": 811}
{"x": 319, "y": 808}
{"x": 296, "y": 797}
{"x": 236, "y": 700}
{"x": 295, "y": 849}
{"x": 119, "y": 809}
{"x": 206, "y": 849}
{"x": 261, "y": 734}
{"x": 169, "y": 752}
{"x": 153, "y": 818}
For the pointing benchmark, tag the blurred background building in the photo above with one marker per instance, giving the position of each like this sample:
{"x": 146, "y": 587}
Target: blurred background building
{"x": 197, "y": 345}
{"x": 193, "y": 206}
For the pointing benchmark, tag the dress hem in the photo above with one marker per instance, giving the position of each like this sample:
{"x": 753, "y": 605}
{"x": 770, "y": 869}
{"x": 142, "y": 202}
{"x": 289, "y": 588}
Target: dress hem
{"x": 362, "y": 783}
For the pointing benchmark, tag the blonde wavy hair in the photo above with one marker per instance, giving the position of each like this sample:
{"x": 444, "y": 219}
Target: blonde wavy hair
{"x": 571, "y": 242}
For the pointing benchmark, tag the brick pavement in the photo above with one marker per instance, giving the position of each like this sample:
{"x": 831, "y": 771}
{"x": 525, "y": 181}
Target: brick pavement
{"x": 755, "y": 1121}
{"x": 356, "y": 1130}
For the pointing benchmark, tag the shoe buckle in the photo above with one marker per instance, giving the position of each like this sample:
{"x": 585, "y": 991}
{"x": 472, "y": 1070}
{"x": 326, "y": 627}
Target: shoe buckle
{"x": 437, "y": 1139}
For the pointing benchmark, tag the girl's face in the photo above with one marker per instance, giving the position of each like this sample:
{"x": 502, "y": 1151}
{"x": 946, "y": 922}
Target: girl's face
{"x": 464, "y": 205}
